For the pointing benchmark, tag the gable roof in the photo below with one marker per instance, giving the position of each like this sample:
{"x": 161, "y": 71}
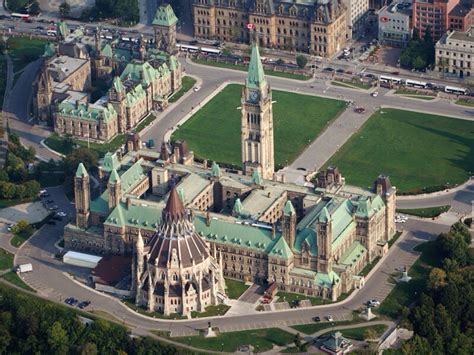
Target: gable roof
{"x": 165, "y": 16}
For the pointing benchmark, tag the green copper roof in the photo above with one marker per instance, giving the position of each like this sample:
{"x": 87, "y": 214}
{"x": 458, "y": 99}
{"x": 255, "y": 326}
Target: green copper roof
{"x": 81, "y": 171}
{"x": 117, "y": 84}
{"x": 140, "y": 216}
{"x": 355, "y": 251}
{"x": 181, "y": 194}
{"x": 281, "y": 249}
{"x": 288, "y": 210}
{"x": 144, "y": 72}
{"x": 62, "y": 29}
{"x": 215, "y": 170}
{"x": 49, "y": 50}
{"x": 306, "y": 239}
{"x": 364, "y": 208}
{"x": 257, "y": 178}
{"x": 110, "y": 162}
{"x": 237, "y": 210}
{"x": 132, "y": 176}
{"x": 85, "y": 111}
{"x": 114, "y": 177}
{"x": 324, "y": 215}
{"x": 165, "y": 16}
{"x": 134, "y": 95}
{"x": 173, "y": 62}
{"x": 107, "y": 51}
{"x": 256, "y": 74}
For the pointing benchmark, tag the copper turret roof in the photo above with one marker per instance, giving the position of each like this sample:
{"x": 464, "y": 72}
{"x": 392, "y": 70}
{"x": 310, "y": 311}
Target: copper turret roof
{"x": 174, "y": 210}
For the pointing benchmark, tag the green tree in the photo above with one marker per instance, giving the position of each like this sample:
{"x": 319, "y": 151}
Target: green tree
{"x": 416, "y": 34}
{"x": 460, "y": 228}
{"x": 418, "y": 63}
{"x": 64, "y": 9}
{"x": 298, "y": 340}
{"x": 89, "y": 349}
{"x": 7, "y": 190}
{"x": 58, "y": 339}
{"x": 301, "y": 61}
{"x": 22, "y": 228}
{"x": 34, "y": 8}
{"x": 436, "y": 279}
{"x": 81, "y": 155}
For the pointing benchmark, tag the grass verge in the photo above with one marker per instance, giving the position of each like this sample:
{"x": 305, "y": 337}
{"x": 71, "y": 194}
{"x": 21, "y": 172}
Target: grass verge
{"x": 359, "y": 333}
{"x": 353, "y": 84}
{"x": 425, "y": 212}
{"x": 290, "y": 297}
{"x": 130, "y": 303}
{"x": 14, "y": 279}
{"x": 260, "y": 339}
{"x": 145, "y": 122}
{"x": 235, "y": 288}
{"x": 211, "y": 311}
{"x": 186, "y": 84}
{"x": 6, "y": 259}
{"x": 243, "y": 67}
{"x": 316, "y": 327}
{"x": 465, "y": 102}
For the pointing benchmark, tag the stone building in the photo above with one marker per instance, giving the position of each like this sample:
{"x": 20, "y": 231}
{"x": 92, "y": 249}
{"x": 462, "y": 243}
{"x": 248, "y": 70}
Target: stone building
{"x": 175, "y": 272}
{"x": 308, "y": 240}
{"x": 142, "y": 78}
{"x": 454, "y": 53}
{"x": 394, "y": 24}
{"x": 317, "y": 26}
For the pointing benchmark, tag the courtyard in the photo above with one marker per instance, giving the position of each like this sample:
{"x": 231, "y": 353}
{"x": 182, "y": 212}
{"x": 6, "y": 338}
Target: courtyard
{"x": 213, "y": 133}
{"x": 420, "y": 152}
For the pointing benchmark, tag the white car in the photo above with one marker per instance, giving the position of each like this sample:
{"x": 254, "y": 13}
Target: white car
{"x": 373, "y": 303}
{"x": 375, "y": 94}
{"x": 61, "y": 214}
{"x": 196, "y": 88}
{"x": 329, "y": 318}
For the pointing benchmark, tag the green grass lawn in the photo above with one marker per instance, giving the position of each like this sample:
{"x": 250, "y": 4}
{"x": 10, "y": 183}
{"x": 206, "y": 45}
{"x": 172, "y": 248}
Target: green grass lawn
{"x": 365, "y": 271}
{"x": 465, "y": 102}
{"x": 244, "y": 67}
{"x": 55, "y": 142}
{"x": 289, "y": 297}
{"x": 297, "y": 119}
{"x": 426, "y": 212}
{"x": 235, "y": 288}
{"x": 186, "y": 84}
{"x": 260, "y": 339}
{"x": 8, "y": 203}
{"x": 316, "y": 327}
{"x": 6, "y": 259}
{"x": 405, "y": 293}
{"x": 211, "y": 311}
{"x": 23, "y": 51}
{"x": 19, "y": 239}
{"x": 420, "y": 152}
{"x": 130, "y": 303}
{"x": 355, "y": 84}
{"x": 14, "y": 279}
{"x": 394, "y": 239}
{"x": 145, "y": 122}
{"x": 359, "y": 333}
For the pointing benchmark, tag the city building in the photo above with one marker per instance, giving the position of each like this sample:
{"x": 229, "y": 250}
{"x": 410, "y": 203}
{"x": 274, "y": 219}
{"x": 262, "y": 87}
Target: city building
{"x": 461, "y": 17}
{"x": 394, "y": 24}
{"x": 357, "y": 17}
{"x": 455, "y": 53}
{"x": 432, "y": 15}
{"x": 315, "y": 26}
{"x": 308, "y": 240}
{"x": 141, "y": 79}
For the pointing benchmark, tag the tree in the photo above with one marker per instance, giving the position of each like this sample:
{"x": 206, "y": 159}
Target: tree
{"x": 82, "y": 155}
{"x": 460, "y": 228}
{"x": 418, "y": 63}
{"x": 301, "y": 61}
{"x": 34, "y": 8}
{"x": 298, "y": 340}
{"x": 58, "y": 339}
{"x": 22, "y": 228}
{"x": 64, "y": 9}
{"x": 32, "y": 188}
{"x": 89, "y": 349}
{"x": 416, "y": 34}
{"x": 436, "y": 279}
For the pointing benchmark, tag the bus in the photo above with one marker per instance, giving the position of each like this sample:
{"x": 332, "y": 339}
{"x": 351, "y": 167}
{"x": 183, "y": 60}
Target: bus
{"x": 416, "y": 83}
{"x": 211, "y": 51}
{"x": 22, "y": 16}
{"x": 389, "y": 79}
{"x": 187, "y": 48}
{"x": 455, "y": 90}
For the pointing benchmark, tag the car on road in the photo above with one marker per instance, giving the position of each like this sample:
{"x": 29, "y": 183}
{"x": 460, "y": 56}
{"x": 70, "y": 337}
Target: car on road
{"x": 359, "y": 110}
{"x": 84, "y": 304}
{"x": 317, "y": 319}
{"x": 340, "y": 71}
{"x": 71, "y": 301}
{"x": 300, "y": 168}
{"x": 61, "y": 214}
{"x": 328, "y": 69}
{"x": 375, "y": 94}
{"x": 348, "y": 72}
{"x": 39, "y": 27}
{"x": 49, "y": 201}
{"x": 196, "y": 88}
{"x": 373, "y": 303}
{"x": 57, "y": 218}
{"x": 329, "y": 318}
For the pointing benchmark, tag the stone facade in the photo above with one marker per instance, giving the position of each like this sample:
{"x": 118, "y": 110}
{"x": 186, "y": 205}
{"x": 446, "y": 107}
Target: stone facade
{"x": 318, "y": 27}
{"x": 455, "y": 53}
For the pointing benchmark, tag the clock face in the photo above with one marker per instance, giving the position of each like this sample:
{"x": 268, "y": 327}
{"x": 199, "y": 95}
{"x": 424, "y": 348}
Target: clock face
{"x": 253, "y": 96}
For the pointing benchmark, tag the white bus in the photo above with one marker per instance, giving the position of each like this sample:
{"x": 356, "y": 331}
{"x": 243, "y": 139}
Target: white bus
{"x": 22, "y": 16}
{"x": 415, "y": 83}
{"x": 455, "y": 90}
{"x": 212, "y": 51}
{"x": 389, "y": 79}
{"x": 187, "y": 48}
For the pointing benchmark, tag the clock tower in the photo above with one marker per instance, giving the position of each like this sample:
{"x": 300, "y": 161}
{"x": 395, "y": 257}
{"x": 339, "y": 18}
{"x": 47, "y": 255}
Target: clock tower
{"x": 257, "y": 121}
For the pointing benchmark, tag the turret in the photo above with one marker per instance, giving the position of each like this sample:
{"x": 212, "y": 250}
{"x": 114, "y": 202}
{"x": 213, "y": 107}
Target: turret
{"x": 114, "y": 186}
{"x": 384, "y": 188}
{"x": 324, "y": 241}
{"x": 82, "y": 196}
{"x": 288, "y": 224}
{"x": 164, "y": 23}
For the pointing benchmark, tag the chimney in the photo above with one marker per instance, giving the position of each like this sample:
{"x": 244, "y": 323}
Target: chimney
{"x": 208, "y": 219}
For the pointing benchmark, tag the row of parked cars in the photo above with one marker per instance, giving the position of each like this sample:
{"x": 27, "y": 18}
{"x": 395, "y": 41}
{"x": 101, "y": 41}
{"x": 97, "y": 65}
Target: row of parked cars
{"x": 75, "y": 302}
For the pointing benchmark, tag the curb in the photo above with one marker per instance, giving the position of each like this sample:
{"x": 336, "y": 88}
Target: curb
{"x": 43, "y": 144}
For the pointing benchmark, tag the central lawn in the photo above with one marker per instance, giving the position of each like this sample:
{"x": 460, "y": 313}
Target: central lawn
{"x": 420, "y": 152}
{"x": 214, "y": 131}
{"x": 260, "y": 339}
{"x": 235, "y": 288}
{"x": 24, "y": 51}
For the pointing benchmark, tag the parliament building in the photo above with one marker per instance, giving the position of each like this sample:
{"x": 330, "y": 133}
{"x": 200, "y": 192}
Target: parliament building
{"x": 318, "y": 27}
{"x": 186, "y": 225}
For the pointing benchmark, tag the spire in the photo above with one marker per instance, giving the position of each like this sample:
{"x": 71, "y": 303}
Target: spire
{"x": 324, "y": 216}
{"x": 140, "y": 244}
{"x": 256, "y": 74}
{"x": 114, "y": 177}
{"x": 215, "y": 170}
{"x": 181, "y": 194}
{"x": 174, "y": 209}
{"x": 117, "y": 84}
{"x": 81, "y": 171}
{"x": 257, "y": 178}
{"x": 237, "y": 210}
{"x": 288, "y": 210}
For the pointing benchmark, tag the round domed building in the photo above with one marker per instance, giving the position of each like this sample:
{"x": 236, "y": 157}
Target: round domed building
{"x": 175, "y": 272}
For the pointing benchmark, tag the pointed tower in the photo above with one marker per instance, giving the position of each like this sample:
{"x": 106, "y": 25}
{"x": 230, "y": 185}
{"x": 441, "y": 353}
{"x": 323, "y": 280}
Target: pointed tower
{"x": 288, "y": 223}
{"x": 238, "y": 208}
{"x": 257, "y": 121}
{"x": 114, "y": 186}
{"x": 82, "y": 196}
{"x": 44, "y": 91}
{"x": 384, "y": 188}
{"x": 117, "y": 95}
{"x": 164, "y": 24}
{"x": 139, "y": 264}
{"x": 324, "y": 241}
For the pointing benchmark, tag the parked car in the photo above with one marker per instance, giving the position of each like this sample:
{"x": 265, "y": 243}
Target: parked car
{"x": 340, "y": 71}
{"x": 373, "y": 303}
{"x": 375, "y": 94}
{"x": 329, "y": 318}
{"x": 84, "y": 304}
{"x": 328, "y": 69}
{"x": 317, "y": 319}
{"x": 196, "y": 88}
{"x": 359, "y": 110}
{"x": 61, "y": 214}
